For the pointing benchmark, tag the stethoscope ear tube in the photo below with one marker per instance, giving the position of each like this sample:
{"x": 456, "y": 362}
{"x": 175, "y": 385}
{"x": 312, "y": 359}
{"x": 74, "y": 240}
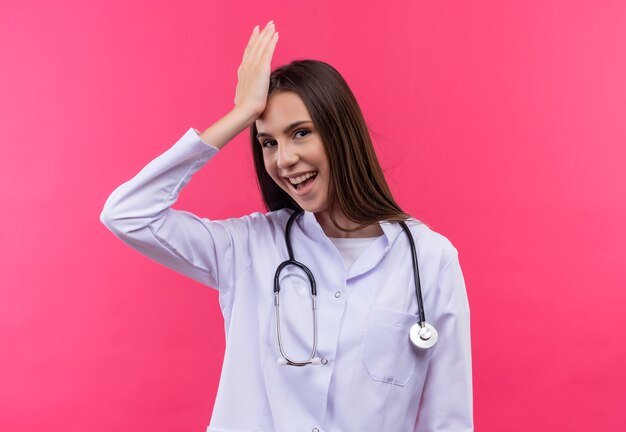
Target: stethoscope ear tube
{"x": 285, "y": 359}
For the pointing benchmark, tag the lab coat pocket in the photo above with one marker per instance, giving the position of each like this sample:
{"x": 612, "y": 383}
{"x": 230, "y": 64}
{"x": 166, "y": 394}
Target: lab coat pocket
{"x": 387, "y": 352}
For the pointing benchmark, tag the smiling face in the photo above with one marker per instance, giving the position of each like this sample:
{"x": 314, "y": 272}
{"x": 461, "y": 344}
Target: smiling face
{"x": 293, "y": 152}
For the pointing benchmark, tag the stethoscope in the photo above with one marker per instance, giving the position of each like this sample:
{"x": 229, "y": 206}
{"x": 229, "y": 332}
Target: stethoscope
{"x": 422, "y": 334}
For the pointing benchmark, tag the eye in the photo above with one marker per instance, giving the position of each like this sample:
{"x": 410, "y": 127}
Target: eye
{"x": 267, "y": 143}
{"x": 303, "y": 130}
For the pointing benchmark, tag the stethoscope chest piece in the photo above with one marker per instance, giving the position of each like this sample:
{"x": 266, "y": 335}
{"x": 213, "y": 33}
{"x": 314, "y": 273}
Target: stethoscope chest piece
{"x": 423, "y": 335}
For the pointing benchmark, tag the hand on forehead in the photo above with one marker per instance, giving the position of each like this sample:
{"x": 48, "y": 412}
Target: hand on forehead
{"x": 283, "y": 109}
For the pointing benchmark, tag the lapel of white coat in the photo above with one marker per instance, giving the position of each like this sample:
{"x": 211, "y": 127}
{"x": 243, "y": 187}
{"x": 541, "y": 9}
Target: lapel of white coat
{"x": 371, "y": 256}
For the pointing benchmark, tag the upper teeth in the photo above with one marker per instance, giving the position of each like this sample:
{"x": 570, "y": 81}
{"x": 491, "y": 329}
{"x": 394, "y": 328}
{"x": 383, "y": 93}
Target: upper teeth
{"x": 298, "y": 180}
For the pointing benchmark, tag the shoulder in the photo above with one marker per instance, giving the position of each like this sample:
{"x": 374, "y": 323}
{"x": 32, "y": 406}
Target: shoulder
{"x": 439, "y": 262}
{"x": 272, "y": 218}
{"x": 432, "y": 245}
{"x": 256, "y": 223}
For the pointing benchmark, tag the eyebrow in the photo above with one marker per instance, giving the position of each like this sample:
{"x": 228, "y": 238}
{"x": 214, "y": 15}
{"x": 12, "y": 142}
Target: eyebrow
{"x": 287, "y": 129}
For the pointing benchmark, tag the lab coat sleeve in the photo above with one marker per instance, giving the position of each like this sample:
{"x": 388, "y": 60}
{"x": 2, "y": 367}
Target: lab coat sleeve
{"x": 140, "y": 213}
{"x": 447, "y": 403}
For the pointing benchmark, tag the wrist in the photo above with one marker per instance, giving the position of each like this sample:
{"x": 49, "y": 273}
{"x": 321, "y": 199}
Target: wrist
{"x": 245, "y": 115}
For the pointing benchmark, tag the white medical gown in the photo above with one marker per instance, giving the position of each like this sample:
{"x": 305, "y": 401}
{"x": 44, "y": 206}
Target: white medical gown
{"x": 372, "y": 379}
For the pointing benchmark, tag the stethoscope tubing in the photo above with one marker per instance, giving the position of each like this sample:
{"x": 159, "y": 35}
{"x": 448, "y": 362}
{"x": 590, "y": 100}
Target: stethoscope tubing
{"x": 422, "y": 334}
{"x": 416, "y": 275}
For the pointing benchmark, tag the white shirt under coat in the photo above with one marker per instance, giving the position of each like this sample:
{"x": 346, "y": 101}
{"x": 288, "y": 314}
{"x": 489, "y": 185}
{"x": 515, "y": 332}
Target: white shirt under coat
{"x": 372, "y": 378}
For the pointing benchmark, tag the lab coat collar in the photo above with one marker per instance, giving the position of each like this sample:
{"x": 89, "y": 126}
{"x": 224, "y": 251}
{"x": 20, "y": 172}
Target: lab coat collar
{"x": 371, "y": 256}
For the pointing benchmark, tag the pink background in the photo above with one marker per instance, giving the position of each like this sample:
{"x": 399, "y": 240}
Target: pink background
{"x": 501, "y": 124}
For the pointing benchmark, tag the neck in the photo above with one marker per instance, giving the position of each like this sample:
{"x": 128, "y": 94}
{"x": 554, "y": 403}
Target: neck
{"x": 323, "y": 218}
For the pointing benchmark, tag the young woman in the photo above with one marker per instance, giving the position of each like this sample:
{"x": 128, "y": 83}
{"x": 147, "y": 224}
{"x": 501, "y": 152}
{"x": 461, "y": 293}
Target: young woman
{"x": 322, "y": 303}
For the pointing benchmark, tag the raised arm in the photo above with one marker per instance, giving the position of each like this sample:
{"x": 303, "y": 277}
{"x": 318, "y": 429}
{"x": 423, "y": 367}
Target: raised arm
{"x": 140, "y": 212}
{"x": 252, "y": 86}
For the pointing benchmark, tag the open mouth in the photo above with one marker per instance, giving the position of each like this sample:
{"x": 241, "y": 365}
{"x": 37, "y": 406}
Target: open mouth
{"x": 303, "y": 181}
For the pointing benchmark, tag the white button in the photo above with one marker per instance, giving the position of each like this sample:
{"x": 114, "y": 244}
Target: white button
{"x": 338, "y": 294}
{"x": 324, "y": 361}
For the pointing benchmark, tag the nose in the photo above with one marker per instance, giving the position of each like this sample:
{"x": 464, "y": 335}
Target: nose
{"x": 287, "y": 155}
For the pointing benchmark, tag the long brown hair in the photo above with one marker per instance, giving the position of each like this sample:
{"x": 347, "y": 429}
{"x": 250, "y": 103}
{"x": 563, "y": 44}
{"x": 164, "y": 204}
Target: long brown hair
{"x": 357, "y": 184}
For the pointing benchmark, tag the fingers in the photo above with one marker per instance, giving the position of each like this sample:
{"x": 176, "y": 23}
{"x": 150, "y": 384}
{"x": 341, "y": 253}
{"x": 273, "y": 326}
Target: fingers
{"x": 249, "y": 47}
{"x": 254, "y": 71}
{"x": 261, "y": 41}
{"x": 269, "y": 52}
